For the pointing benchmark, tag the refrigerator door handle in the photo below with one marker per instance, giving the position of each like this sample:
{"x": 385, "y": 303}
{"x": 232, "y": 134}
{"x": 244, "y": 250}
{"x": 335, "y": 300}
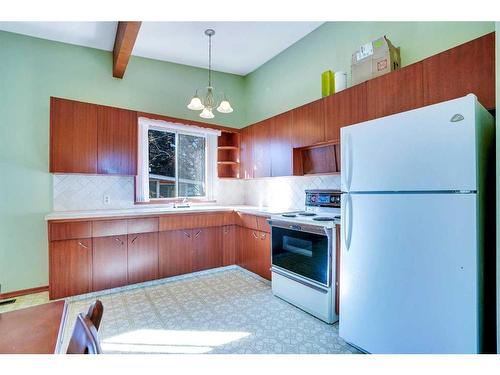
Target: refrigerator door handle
{"x": 347, "y": 217}
{"x": 346, "y": 171}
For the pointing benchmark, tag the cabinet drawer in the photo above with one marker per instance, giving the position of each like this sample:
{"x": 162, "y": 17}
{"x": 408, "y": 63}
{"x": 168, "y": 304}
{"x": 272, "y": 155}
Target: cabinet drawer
{"x": 145, "y": 225}
{"x": 103, "y": 228}
{"x": 247, "y": 221}
{"x": 199, "y": 220}
{"x": 69, "y": 230}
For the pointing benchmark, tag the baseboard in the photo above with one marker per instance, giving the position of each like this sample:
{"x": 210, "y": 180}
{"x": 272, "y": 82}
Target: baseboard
{"x": 23, "y": 292}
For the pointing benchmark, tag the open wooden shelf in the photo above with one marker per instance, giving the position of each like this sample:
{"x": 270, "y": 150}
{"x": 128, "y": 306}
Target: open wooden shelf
{"x": 321, "y": 158}
{"x": 228, "y": 155}
{"x": 228, "y": 148}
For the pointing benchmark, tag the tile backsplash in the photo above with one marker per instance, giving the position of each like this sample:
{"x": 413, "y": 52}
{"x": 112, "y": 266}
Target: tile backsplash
{"x": 286, "y": 192}
{"x": 73, "y": 192}
{"x": 83, "y": 192}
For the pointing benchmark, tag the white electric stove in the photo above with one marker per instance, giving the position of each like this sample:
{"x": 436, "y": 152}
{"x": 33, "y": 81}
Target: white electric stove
{"x": 303, "y": 255}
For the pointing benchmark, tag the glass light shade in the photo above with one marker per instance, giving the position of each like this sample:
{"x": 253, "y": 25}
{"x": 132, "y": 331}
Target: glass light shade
{"x": 195, "y": 104}
{"x": 207, "y": 113}
{"x": 225, "y": 107}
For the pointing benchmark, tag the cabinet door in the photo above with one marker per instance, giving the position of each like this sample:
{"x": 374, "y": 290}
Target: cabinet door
{"x": 228, "y": 245}
{"x": 246, "y": 152}
{"x": 468, "y": 68}
{"x": 207, "y": 249}
{"x": 70, "y": 267}
{"x": 117, "y": 141}
{"x": 308, "y": 124}
{"x": 142, "y": 257}
{"x": 346, "y": 107}
{"x": 399, "y": 91}
{"x": 261, "y": 146}
{"x": 73, "y": 136}
{"x": 281, "y": 144}
{"x": 109, "y": 262}
{"x": 249, "y": 242}
{"x": 175, "y": 252}
{"x": 264, "y": 255}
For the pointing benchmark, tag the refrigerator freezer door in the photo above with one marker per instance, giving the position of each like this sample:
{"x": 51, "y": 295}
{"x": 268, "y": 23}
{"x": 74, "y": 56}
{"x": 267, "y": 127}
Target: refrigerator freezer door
{"x": 408, "y": 273}
{"x": 429, "y": 149}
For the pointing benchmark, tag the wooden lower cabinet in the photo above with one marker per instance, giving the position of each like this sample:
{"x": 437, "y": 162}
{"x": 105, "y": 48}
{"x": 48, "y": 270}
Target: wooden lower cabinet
{"x": 142, "y": 253}
{"x": 175, "y": 256}
{"x": 264, "y": 255}
{"x": 109, "y": 262}
{"x": 207, "y": 249}
{"x": 254, "y": 253}
{"x": 229, "y": 245}
{"x": 71, "y": 267}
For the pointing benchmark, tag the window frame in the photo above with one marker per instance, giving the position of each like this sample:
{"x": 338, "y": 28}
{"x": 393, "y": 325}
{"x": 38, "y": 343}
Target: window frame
{"x": 209, "y": 134}
{"x": 177, "y": 133}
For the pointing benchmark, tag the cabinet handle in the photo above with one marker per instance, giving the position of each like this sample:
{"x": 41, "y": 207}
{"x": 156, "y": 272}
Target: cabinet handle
{"x": 197, "y": 234}
{"x": 118, "y": 240}
{"x": 187, "y": 234}
{"x": 82, "y": 245}
{"x": 255, "y": 235}
{"x": 263, "y": 236}
{"x": 136, "y": 237}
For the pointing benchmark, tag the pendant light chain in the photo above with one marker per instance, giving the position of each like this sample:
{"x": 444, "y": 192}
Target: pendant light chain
{"x": 210, "y": 61}
{"x": 209, "y": 102}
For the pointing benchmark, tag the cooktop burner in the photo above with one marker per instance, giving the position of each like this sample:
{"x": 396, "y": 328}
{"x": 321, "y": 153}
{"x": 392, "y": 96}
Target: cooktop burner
{"x": 305, "y": 213}
{"x": 325, "y": 218}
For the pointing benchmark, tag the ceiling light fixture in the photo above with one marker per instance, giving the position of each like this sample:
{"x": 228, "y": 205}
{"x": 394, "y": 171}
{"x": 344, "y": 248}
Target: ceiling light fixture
{"x": 207, "y": 105}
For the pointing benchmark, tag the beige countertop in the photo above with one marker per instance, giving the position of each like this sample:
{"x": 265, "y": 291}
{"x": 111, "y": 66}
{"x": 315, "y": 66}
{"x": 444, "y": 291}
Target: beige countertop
{"x": 162, "y": 210}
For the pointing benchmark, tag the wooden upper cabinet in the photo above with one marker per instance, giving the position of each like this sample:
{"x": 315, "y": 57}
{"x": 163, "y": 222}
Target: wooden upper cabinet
{"x": 399, "y": 91}
{"x": 344, "y": 108}
{"x": 308, "y": 124}
{"x": 73, "y": 137}
{"x": 281, "y": 144}
{"x": 246, "y": 153}
{"x": 468, "y": 68}
{"x": 117, "y": 141}
{"x": 261, "y": 146}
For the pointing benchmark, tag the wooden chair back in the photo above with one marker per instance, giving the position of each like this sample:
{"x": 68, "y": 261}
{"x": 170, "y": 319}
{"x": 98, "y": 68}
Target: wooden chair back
{"x": 84, "y": 339}
{"x": 95, "y": 313}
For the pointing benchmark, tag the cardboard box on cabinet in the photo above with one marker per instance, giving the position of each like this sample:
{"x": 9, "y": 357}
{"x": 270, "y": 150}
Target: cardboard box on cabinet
{"x": 374, "y": 59}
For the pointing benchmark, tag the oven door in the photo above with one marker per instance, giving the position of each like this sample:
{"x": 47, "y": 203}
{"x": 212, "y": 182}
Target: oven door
{"x": 306, "y": 254}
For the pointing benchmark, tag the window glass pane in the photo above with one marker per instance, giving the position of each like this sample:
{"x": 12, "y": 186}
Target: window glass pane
{"x": 191, "y": 165}
{"x": 152, "y": 189}
{"x": 161, "y": 164}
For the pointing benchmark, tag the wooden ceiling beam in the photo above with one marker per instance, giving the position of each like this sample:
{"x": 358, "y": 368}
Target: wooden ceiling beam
{"x": 126, "y": 34}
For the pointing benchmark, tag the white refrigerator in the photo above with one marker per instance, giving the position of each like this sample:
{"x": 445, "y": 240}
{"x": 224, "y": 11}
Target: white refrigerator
{"x": 413, "y": 237}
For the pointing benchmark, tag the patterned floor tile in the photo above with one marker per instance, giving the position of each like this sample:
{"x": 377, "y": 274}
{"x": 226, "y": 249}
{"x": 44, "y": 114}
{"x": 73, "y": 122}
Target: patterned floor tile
{"x": 229, "y": 311}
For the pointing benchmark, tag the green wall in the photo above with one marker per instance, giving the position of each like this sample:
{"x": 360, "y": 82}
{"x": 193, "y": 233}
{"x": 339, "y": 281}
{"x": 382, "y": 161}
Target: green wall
{"x": 293, "y": 77}
{"x": 32, "y": 70}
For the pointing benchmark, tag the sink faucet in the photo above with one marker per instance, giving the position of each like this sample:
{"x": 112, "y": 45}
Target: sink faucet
{"x": 183, "y": 204}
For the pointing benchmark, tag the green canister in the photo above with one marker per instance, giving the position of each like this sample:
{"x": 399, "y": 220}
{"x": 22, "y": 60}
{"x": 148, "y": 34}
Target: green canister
{"x": 327, "y": 83}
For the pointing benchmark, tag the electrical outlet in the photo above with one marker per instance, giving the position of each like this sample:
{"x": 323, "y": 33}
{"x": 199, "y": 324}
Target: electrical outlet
{"x": 107, "y": 199}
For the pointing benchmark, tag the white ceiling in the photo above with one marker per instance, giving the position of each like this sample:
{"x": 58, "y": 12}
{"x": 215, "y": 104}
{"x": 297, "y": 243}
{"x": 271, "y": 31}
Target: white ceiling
{"x": 237, "y": 47}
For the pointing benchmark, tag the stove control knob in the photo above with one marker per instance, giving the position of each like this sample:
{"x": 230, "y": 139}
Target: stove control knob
{"x": 313, "y": 198}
